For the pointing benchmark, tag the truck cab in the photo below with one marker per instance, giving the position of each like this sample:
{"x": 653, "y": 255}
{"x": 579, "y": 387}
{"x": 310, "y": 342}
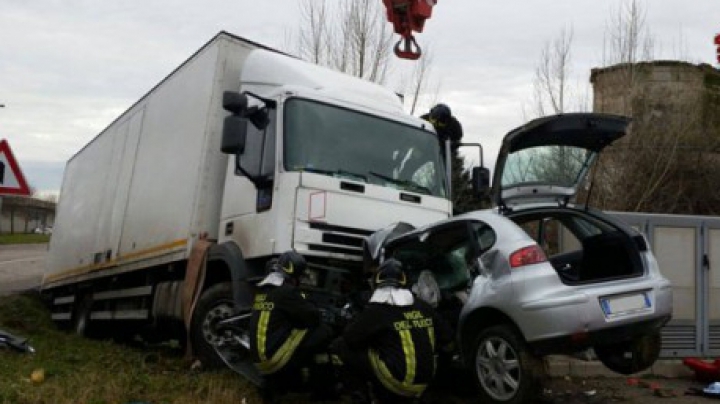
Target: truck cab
{"x": 329, "y": 159}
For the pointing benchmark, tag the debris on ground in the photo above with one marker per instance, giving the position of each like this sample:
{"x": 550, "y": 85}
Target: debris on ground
{"x": 37, "y": 376}
{"x": 8, "y": 340}
{"x": 657, "y": 389}
{"x": 713, "y": 389}
{"x": 665, "y": 393}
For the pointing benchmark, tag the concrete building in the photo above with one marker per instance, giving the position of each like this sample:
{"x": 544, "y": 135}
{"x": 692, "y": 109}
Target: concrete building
{"x": 670, "y": 160}
{"x": 633, "y": 88}
{"x": 660, "y": 91}
{"x": 24, "y": 215}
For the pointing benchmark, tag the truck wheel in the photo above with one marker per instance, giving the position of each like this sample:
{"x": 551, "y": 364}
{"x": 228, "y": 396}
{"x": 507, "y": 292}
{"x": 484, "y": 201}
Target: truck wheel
{"x": 630, "y": 356}
{"x": 215, "y": 304}
{"x": 506, "y": 371}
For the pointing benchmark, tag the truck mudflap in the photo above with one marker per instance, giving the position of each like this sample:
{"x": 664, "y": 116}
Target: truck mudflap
{"x": 194, "y": 279}
{"x": 202, "y": 252}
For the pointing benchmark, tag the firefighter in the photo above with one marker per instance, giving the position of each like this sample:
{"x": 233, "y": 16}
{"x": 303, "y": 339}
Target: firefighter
{"x": 392, "y": 342}
{"x": 286, "y": 329}
{"x": 446, "y": 125}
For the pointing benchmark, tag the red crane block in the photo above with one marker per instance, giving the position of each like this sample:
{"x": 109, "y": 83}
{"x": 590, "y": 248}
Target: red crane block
{"x": 408, "y": 16}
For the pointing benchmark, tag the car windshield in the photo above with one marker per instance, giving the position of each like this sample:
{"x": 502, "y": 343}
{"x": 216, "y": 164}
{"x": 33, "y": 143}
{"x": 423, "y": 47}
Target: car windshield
{"x": 552, "y": 165}
{"x": 342, "y": 143}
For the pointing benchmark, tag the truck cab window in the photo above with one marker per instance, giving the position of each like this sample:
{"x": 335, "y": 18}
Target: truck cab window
{"x": 338, "y": 142}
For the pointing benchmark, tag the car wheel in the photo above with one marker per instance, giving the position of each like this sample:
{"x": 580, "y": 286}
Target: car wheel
{"x": 630, "y": 356}
{"x": 215, "y": 304}
{"x": 506, "y": 371}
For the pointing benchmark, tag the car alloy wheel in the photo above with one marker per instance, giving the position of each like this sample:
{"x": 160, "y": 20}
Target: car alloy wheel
{"x": 506, "y": 371}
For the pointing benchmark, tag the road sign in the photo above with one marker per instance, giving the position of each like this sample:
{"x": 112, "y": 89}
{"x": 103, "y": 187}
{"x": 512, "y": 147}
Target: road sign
{"x": 12, "y": 181}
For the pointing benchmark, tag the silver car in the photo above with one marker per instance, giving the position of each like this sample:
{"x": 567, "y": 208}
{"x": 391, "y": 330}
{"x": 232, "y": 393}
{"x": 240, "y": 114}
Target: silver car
{"x": 538, "y": 275}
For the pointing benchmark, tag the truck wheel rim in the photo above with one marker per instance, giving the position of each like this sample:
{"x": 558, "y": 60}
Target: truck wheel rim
{"x": 498, "y": 368}
{"x": 217, "y": 313}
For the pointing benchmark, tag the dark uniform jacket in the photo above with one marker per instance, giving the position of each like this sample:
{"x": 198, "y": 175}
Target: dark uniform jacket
{"x": 401, "y": 344}
{"x": 280, "y": 319}
{"x": 448, "y": 129}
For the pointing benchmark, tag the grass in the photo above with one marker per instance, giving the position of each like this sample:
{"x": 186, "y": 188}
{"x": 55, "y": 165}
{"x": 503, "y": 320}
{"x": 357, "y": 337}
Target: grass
{"x": 24, "y": 238}
{"x": 84, "y": 371}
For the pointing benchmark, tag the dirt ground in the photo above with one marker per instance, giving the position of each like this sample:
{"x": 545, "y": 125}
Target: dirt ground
{"x": 588, "y": 390}
{"x": 597, "y": 390}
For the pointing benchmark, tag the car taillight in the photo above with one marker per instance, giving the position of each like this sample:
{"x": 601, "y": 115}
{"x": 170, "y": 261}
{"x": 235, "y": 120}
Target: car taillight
{"x": 527, "y": 256}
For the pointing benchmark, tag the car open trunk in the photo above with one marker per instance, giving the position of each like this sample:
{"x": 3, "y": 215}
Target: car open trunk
{"x": 582, "y": 247}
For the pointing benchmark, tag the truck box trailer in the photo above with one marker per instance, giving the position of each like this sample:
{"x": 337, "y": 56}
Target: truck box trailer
{"x": 241, "y": 153}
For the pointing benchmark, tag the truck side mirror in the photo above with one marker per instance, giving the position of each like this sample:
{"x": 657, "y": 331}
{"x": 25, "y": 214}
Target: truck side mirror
{"x": 234, "y": 102}
{"x": 234, "y": 135}
{"x": 480, "y": 180}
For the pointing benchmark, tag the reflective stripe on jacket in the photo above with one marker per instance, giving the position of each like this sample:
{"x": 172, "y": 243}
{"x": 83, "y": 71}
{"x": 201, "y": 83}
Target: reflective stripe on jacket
{"x": 280, "y": 319}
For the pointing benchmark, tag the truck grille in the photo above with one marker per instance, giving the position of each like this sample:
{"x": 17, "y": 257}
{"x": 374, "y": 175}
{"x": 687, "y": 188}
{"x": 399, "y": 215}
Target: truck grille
{"x": 340, "y": 239}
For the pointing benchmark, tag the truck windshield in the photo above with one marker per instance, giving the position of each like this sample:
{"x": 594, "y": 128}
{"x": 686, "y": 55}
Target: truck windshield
{"x": 338, "y": 142}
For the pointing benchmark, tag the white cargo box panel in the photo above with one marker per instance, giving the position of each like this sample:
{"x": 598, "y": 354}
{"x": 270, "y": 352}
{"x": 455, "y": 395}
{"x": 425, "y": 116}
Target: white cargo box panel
{"x": 151, "y": 182}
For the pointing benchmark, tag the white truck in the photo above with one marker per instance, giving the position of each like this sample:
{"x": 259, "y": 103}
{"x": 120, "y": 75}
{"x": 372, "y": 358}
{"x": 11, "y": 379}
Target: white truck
{"x": 241, "y": 153}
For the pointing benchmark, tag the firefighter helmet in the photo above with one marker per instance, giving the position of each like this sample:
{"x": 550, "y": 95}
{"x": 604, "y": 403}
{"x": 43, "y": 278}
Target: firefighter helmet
{"x": 291, "y": 264}
{"x": 390, "y": 273}
{"x": 440, "y": 113}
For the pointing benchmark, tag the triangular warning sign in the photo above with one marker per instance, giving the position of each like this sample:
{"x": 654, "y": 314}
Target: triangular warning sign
{"x": 12, "y": 181}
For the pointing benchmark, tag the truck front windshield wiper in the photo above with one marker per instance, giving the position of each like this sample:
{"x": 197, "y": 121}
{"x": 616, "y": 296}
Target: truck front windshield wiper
{"x": 409, "y": 185}
{"x": 333, "y": 173}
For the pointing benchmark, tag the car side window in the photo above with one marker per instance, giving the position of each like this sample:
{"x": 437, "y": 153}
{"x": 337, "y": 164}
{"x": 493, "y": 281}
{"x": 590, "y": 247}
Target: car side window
{"x": 445, "y": 252}
{"x": 484, "y": 235}
{"x": 553, "y": 236}
{"x": 532, "y": 228}
{"x": 557, "y": 238}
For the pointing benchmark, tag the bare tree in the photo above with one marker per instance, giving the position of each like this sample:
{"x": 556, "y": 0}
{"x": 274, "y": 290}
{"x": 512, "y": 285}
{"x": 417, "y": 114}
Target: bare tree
{"x": 354, "y": 37}
{"x": 668, "y": 159}
{"x": 552, "y": 74}
{"x": 349, "y": 36}
{"x": 421, "y": 82}
{"x": 627, "y": 36}
{"x": 627, "y": 41}
{"x": 313, "y": 39}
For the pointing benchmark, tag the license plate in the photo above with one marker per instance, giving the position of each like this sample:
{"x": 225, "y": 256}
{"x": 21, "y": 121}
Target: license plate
{"x": 625, "y": 304}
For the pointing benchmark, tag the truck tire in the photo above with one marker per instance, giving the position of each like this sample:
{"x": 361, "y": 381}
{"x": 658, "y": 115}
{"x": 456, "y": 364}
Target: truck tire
{"x": 505, "y": 370}
{"x": 215, "y": 304}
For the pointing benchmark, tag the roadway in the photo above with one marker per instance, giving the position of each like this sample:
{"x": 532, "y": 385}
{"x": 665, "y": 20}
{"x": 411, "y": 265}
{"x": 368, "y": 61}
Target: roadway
{"x": 21, "y": 267}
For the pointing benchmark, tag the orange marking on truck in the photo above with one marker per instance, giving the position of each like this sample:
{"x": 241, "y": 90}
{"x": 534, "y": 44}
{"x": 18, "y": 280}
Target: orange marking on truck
{"x": 116, "y": 261}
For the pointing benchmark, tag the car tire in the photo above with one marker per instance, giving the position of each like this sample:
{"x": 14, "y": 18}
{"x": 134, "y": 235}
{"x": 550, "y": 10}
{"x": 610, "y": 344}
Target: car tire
{"x": 214, "y": 304}
{"x": 630, "y": 357}
{"x": 505, "y": 370}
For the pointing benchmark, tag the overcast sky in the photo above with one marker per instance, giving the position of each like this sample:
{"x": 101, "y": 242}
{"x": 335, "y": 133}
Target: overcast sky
{"x": 69, "y": 67}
